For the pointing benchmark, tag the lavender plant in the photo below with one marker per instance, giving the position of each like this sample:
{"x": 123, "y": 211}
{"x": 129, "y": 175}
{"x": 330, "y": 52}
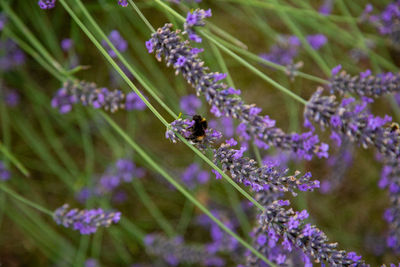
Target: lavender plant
{"x": 52, "y": 156}
{"x": 85, "y": 221}
{"x": 89, "y": 94}
{"x": 365, "y": 84}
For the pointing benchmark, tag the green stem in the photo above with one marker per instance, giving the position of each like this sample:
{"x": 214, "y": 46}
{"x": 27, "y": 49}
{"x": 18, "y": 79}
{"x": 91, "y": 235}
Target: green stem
{"x": 24, "y": 200}
{"x": 14, "y": 160}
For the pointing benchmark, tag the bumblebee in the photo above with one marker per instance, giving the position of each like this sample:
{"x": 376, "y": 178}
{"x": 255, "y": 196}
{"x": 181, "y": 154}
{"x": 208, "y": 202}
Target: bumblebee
{"x": 198, "y": 130}
{"x": 394, "y": 127}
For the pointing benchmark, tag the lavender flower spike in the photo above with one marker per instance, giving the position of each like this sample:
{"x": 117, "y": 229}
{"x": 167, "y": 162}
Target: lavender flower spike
{"x": 351, "y": 119}
{"x": 89, "y": 94}
{"x": 246, "y": 171}
{"x": 290, "y": 226}
{"x": 365, "y": 84}
{"x": 85, "y": 221}
{"x": 224, "y": 100}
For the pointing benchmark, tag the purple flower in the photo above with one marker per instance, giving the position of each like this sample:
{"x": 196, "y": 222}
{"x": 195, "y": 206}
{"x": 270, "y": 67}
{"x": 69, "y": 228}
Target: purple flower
{"x": 4, "y": 172}
{"x": 194, "y": 19}
{"x": 284, "y": 51}
{"x": 326, "y": 7}
{"x": 150, "y": 46}
{"x": 195, "y": 50}
{"x": 231, "y": 142}
{"x": 11, "y": 97}
{"x": 317, "y": 41}
{"x": 123, "y": 3}
{"x": 119, "y": 43}
{"x": 85, "y": 221}
{"x": 386, "y": 22}
{"x": 134, "y": 102}
{"x": 47, "y": 4}
{"x": 11, "y": 56}
{"x": 193, "y": 176}
{"x": 217, "y": 174}
{"x": 336, "y": 70}
{"x": 91, "y": 263}
{"x": 67, "y": 44}
{"x": 190, "y": 104}
{"x": 180, "y": 62}
{"x": 261, "y": 239}
{"x": 83, "y": 195}
{"x": 123, "y": 171}
{"x": 63, "y": 101}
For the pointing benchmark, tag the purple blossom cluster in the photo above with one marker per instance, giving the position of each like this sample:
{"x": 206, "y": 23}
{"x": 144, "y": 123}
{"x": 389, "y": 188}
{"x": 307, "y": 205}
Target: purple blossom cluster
{"x": 193, "y": 176}
{"x": 284, "y": 51}
{"x": 174, "y": 251}
{"x": 326, "y": 7}
{"x": 352, "y": 119}
{"x": 47, "y": 4}
{"x": 85, "y": 221}
{"x": 91, "y": 262}
{"x": 364, "y": 84}
{"x": 317, "y": 41}
{"x": 220, "y": 240}
{"x": 225, "y": 101}
{"x": 224, "y": 124}
{"x": 122, "y": 171}
{"x": 10, "y": 97}
{"x": 119, "y": 43}
{"x": 246, "y": 171}
{"x": 387, "y": 22}
{"x": 5, "y": 174}
{"x": 195, "y": 18}
{"x": 289, "y": 229}
{"x": 67, "y": 44}
{"x": 190, "y": 104}
{"x": 123, "y": 3}
{"x": 288, "y": 47}
{"x": 88, "y": 94}
{"x": 281, "y": 254}
{"x": 11, "y": 56}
